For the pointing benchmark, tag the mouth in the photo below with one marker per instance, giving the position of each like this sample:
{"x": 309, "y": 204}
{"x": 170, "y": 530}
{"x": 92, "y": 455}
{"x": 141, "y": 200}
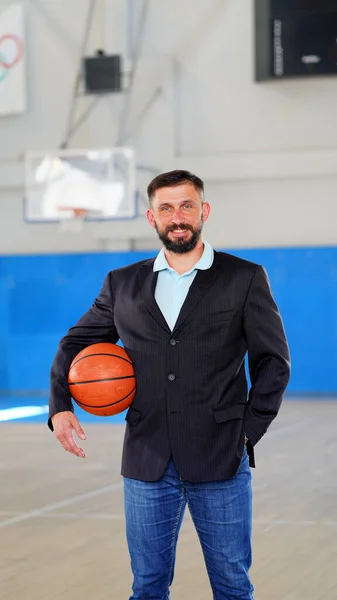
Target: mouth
{"x": 178, "y": 231}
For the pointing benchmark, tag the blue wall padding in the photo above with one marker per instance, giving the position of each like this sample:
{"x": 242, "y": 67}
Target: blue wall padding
{"x": 42, "y": 296}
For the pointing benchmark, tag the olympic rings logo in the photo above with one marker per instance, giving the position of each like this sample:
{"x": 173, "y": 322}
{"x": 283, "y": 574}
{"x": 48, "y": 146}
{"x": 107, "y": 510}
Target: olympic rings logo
{"x": 5, "y": 64}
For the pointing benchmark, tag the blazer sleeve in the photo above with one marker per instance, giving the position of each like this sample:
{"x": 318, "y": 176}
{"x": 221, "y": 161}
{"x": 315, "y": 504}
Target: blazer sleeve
{"x": 96, "y": 325}
{"x": 268, "y": 357}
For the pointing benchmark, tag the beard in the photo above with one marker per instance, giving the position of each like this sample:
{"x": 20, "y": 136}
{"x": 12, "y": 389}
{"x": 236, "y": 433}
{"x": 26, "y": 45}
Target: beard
{"x": 180, "y": 246}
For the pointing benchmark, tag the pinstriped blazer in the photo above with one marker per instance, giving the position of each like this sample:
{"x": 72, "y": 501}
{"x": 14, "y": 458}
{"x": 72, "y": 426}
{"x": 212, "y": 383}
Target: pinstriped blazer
{"x": 192, "y": 399}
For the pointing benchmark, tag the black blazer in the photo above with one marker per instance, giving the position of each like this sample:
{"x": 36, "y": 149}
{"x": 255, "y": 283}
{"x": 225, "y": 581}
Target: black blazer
{"x": 192, "y": 400}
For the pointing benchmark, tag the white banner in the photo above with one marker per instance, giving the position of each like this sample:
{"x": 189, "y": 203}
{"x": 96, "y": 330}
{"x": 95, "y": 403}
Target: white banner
{"x": 13, "y": 98}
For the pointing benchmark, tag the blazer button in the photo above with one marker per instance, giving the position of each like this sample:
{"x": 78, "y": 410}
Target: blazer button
{"x": 172, "y": 342}
{"x": 171, "y": 377}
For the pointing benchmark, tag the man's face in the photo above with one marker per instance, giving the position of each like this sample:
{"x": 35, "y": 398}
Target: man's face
{"x": 178, "y": 214}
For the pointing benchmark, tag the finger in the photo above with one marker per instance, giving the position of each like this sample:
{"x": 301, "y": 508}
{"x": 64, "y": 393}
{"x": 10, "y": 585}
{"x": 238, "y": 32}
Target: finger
{"x": 62, "y": 439}
{"x": 74, "y": 449}
{"x": 79, "y": 432}
{"x": 78, "y": 429}
{"x": 80, "y": 451}
{"x": 73, "y": 446}
{"x": 64, "y": 442}
{"x": 69, "y": 444}
{"x": 65, "y": 446}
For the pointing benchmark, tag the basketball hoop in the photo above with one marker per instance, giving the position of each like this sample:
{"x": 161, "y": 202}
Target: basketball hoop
{"x": 73, "y": 219}
{"x": 70, "y": 186}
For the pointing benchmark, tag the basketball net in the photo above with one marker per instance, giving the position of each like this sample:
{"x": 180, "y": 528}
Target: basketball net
{"x": 73, "y": 221}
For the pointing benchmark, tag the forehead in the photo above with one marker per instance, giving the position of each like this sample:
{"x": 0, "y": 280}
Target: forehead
{"x": 176, "y": 194}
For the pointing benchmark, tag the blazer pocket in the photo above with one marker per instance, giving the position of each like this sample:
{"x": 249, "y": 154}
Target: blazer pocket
{"x": 132, "y": 416}
{"x": 226, "y": 413}
{"x": 222, "y": 316}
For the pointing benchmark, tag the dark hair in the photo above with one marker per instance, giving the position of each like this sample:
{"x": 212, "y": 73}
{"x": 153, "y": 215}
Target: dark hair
{"x": 173, "y": 178}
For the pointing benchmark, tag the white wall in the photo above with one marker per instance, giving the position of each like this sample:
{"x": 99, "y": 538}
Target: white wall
{"x": 267, "y": 151}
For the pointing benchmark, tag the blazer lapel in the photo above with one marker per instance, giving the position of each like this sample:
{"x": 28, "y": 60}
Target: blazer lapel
{"x": 147, "y": 281}
{"x": 202, "y": 281}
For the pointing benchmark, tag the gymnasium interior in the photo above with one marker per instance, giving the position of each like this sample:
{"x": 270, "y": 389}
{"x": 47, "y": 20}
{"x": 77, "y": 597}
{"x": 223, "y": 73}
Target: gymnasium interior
{"x": 97, "y": 97}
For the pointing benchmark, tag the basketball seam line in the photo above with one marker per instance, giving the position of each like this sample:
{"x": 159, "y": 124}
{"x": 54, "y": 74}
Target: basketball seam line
{"x": 101, "y": 380}
{"x": 100, "y": 354}
{"x": 106, "y": 405}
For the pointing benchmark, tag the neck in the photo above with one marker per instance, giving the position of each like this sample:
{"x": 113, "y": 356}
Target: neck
{"x": 182, "y": 263}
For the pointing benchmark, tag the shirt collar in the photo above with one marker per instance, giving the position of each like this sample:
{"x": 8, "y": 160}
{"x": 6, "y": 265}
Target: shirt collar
{"x": 204, "y": 262}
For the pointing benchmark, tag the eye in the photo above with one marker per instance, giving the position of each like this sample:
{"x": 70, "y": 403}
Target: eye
{"x": 165, "y": 209}
{"x": 187, "y": 206}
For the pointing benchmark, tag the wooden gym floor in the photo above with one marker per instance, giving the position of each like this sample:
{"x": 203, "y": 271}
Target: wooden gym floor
{"x": 62, "y": 528}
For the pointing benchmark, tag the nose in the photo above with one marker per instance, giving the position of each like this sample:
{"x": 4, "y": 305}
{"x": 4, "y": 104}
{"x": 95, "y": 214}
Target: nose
{"x": 177, "y": 218}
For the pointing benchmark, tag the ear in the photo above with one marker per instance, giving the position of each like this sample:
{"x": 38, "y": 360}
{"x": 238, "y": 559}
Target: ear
{"x": 206, "y": 209}
{"x": 150, "y": 217}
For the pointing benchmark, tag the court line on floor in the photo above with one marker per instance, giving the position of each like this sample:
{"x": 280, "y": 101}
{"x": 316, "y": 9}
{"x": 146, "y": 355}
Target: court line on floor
{"x": 294, "y": 523}
{"x": 50, "y": 507}
{"x": 121, "y": 517}
{"x": 65, "y": 515}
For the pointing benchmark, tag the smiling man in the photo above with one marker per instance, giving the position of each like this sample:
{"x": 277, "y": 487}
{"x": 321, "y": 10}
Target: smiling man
{"x": 178, "y": 214}
{"x": 187, "y": 319}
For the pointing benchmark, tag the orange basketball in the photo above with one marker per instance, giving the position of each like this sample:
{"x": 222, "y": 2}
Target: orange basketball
{"x": 102, "y": 380}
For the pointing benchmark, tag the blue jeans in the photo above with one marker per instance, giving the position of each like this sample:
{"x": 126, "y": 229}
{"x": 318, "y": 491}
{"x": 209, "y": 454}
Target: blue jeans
{"x": 222, "y": 515}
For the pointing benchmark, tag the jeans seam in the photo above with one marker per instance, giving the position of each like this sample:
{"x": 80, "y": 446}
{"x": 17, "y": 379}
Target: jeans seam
{"x": 202, "y": 548}
{"x": 175, "y": 527}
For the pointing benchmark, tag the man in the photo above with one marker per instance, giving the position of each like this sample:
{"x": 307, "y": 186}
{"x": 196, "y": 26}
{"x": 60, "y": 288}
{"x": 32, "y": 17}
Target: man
{"x": 187, "y": 319}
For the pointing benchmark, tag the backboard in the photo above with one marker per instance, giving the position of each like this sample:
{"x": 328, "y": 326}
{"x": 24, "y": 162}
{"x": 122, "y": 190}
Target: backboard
{"x": 100, "y": 183}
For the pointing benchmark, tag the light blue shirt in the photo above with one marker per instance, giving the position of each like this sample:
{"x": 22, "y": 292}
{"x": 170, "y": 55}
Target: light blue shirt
{"x": 172, "y": 288}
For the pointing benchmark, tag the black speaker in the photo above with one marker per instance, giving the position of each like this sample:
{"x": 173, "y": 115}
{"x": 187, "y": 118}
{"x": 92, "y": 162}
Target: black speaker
{"x": 295, "y": 38}
{"x": 102, "y": 74}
